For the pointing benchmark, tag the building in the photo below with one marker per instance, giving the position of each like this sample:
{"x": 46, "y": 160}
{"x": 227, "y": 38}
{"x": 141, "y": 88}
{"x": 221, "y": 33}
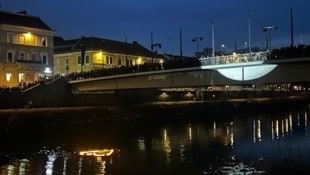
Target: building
{"x": 98, "y": 53}
{"x": 27, "y": 49}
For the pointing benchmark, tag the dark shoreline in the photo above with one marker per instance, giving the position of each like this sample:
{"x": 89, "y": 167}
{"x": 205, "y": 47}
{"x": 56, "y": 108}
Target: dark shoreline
{"x": 150, "y": 112}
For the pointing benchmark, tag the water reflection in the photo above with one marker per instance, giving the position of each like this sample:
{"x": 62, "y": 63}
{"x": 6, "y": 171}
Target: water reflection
{"x": 242, "y": 144}
{"x": 50, "y": 163}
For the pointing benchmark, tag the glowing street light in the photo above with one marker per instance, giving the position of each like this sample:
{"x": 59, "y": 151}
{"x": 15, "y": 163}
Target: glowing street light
{"x": 222, "y": 48}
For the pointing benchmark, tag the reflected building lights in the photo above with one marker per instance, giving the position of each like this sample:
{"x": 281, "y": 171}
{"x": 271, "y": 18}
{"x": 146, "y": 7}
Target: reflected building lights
{"x": 167, "y": 147}
{"x": 306, "y": 120}
{"x": 80, "y": 165}
{"x": 10, "y": 169}
{"x": 232, "y": 134}
{"x": 282, "y": 128}
{"x": 22, "y": 166}
{"x": 254, "y": 131}
{"x": 165, "y": 135}
{"x": 272, "y": 130}
{"x": 141, "y": 143}
{"x": 277, "y": 129}
{"x": 64, "y": 170}
{"x": 257, "y": 135}
{"x": 286, "y": 125}
{"x": 214, "y": 129}
{"x": 291, "y": 123}
{"x": 102, "y": 167}
{"x": 190, "y": 133}
{"x": 182, "y": 155}
{"x": 50, "y": 163}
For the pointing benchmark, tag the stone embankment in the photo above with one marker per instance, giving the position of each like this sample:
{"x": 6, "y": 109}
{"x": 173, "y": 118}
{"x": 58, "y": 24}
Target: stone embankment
{"x": 147, "y": 112}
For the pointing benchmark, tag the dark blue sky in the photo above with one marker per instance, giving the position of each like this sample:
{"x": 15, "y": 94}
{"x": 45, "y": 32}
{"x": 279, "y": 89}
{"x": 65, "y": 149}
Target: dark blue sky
{"x": 137, "y": 19}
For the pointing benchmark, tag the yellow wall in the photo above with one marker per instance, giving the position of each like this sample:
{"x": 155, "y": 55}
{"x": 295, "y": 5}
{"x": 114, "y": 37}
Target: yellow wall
{"x": 97, "y": 60}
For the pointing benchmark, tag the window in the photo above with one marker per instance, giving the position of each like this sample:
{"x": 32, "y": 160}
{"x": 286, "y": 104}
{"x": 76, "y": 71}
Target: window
{"x": 44, "y": 59}
{"x": 44, "y": 41}
{"x": 10, "y": 57}
{"x": 34, "y": 56}
{"x": 109, "y": 60}
{"x": 10, "y": 37}
{"x": 79, "y": 59}
{"x": 119, "y": 61}
{"x": 22, "y": 55}
{"x": 87, "y": 59}
{"x": 21, "y": 77}
{"x": 8, "y": 77}
{"x": 21, "y": 39}
{"x": 67, "y": 61}
{"x": 127, "y": 62}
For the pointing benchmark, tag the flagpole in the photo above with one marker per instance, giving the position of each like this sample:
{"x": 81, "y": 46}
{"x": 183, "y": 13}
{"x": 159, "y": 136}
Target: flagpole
{"x": 213, "y": 52}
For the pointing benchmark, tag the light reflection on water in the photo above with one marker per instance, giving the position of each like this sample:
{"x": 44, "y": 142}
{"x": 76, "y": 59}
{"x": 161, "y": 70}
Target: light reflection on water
{"x": 242, "y": 144}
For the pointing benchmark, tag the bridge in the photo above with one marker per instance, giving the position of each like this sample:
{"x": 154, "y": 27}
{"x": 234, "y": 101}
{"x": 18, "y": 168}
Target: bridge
{"x": 257, "y": 73}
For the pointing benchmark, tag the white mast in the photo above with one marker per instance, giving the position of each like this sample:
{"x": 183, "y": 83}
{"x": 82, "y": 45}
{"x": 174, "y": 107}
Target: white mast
{"x": 250, "y": 34}
{"x": 213, "y": 53}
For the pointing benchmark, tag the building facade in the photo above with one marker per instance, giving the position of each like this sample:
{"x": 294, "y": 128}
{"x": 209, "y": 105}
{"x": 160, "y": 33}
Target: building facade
{"x": 92, "y": 53}
{"x": 27, "y": 49}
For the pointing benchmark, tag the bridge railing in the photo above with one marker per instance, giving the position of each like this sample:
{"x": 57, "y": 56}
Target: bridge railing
{"x": 234, "y": 58}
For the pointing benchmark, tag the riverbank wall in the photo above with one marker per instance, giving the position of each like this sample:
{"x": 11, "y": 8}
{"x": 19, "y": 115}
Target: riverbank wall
{"x": 54, "y": 117}
{"x": 53, "y": 105}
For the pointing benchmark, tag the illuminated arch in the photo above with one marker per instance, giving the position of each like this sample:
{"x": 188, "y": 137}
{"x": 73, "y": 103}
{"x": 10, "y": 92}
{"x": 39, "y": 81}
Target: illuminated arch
{"x": 246, "y": 73}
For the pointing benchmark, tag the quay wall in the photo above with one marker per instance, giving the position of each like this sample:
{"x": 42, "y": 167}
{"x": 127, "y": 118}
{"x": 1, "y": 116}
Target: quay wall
{"x": 53, "y": 105}
{"x": 61, "y": 117}
{"x": 59, "y": 94}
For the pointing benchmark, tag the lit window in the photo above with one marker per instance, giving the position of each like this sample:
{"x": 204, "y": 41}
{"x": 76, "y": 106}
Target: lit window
{"x": 21, "y": 77}
{"x": 9, "y": 77}
{"x": 109, "y": 60}
{"x": 21, "y": 39}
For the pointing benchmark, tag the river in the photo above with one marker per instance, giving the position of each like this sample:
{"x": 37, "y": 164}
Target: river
{"x": 245, "y": 143}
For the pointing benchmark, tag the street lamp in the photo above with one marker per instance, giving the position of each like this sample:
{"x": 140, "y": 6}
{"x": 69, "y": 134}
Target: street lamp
{"x": 269, "y": 29}
{"x": 197, "y": 39}
{"x": 172, "y": 47}
{"x": 222, "y": 48}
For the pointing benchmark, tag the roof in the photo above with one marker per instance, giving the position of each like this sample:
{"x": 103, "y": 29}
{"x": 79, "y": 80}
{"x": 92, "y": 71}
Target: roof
{"x": 106, "y": 45}
{"x": 22, "y": 19}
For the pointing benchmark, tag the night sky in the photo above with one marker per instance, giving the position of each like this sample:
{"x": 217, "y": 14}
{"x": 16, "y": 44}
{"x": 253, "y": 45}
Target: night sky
{"x": 137, "y": 19}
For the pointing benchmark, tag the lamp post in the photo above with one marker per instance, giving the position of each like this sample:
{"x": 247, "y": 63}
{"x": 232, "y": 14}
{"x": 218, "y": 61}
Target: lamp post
{"x": 197, "y": 39}
{"x": 222, "y": 48}
{"x": 269, "y": 29}
{"x": 172, "y": 47}
{"x": 153, "y": 46}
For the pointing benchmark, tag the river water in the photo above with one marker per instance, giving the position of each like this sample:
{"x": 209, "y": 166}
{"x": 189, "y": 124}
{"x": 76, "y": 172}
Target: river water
{"x": 252, "y": 143}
